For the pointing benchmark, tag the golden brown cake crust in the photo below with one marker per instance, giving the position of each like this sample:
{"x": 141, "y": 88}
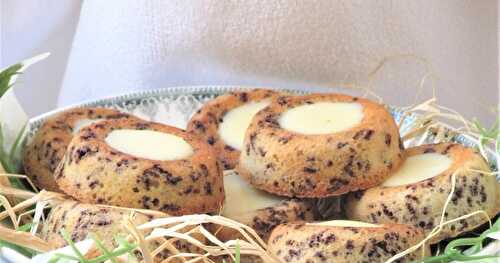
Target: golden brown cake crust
{"x": 205, "y": 122}
{"x": 302, "y": 242}
{"x": 420, "y": 204}
{"x": 94, "y": 172}
{"x": 291, "y": 164}
{"x": 79, "y": 220}
{"x": 47, "y": 148}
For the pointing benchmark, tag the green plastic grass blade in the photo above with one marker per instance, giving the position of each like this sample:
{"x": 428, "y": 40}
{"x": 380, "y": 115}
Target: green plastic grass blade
{"x": 26, "y": 252}
{"x": 103, "y": 249}
{"x": 6, "y": 75}
{"x": 237, "y": 254}
{"x": 70, "y": 242}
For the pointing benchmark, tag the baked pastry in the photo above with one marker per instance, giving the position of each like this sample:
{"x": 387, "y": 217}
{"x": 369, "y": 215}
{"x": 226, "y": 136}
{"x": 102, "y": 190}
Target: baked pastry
{"x": 222, "y": 122}
{"x": 45, "y": 151}
{"x": 343, "y": 241}
{"x": 320, "y": 145}
{"x": 139, "y": 164}
{"x": 417, "y": 192}
{"x": 258, "y": 209}
{"x": 79, "y": 220}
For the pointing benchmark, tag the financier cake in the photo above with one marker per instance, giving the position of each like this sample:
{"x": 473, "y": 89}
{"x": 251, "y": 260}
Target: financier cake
{"x": 80, "y": 220}
{"x": 43, "y": 154}
{"x": 139, "y": 164}
{"x": 320, "y": 145}
{"x": 343, "y": 241}
{"x": 222, "y": 122}
{"x": 417, "y": 192}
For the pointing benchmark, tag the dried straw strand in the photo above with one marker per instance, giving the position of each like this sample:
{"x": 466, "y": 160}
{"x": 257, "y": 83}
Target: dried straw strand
{"x": 25, "y": 240}
{"x": 11, "y": 191}
{"x": 140, "y": 240}
{"x": 9, "y": 211}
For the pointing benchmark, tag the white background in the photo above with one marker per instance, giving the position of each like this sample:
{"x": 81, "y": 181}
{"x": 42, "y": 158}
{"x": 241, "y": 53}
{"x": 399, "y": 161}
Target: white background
{"x": 468, "y": 66}
{"x": 32, "y": 27}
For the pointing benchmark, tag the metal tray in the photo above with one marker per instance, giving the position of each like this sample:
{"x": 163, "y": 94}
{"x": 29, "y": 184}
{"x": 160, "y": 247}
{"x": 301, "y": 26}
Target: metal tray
{"x": 174, "y": 106}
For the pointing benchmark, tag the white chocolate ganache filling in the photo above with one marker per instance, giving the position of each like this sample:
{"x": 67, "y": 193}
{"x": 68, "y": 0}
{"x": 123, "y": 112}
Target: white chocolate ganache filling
{"x": 236, "y": 121}
{"x": 418, "y": 168}
{"x": 149, "y": 144}
{"x": 84, "y": 123}
{"x": 241, "y": 197}
{"x": 344, "y": 223}
{"x": 322, "y": 117}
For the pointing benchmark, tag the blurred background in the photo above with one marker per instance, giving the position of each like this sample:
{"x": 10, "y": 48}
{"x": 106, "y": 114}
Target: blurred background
{"x": 104, "y": 48}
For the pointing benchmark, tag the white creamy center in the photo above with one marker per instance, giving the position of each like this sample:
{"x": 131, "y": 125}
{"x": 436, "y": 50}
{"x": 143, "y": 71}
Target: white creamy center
{"x": 322, "y": 117}
{"x": 418, "y": 168}
{"x": 236, "y": 121}
{"x": 83, "y": 123}
{"x": 344, "y": 223}
{"x": 241, "y": 197}
{"x": 149, "y": 144}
